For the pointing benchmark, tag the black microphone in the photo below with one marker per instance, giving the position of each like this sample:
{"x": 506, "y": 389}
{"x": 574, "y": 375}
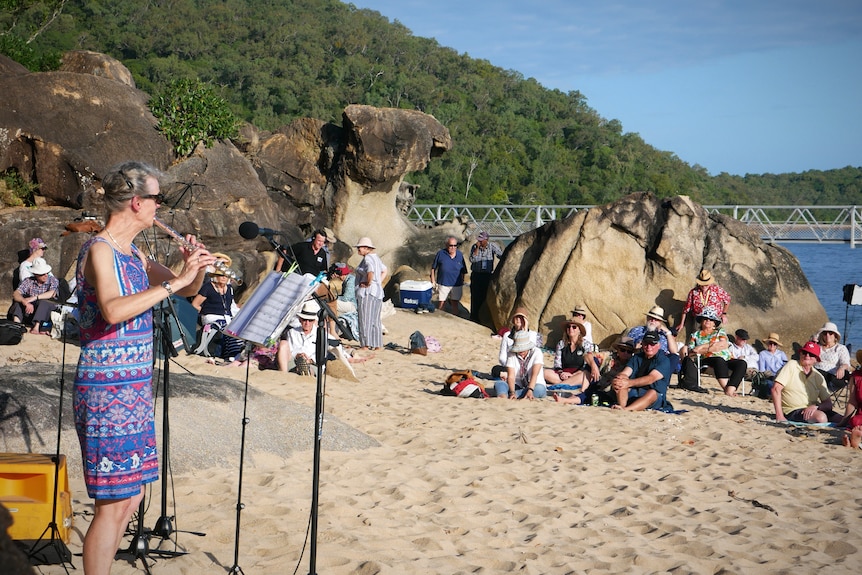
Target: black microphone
{"x": 250, "y": 230}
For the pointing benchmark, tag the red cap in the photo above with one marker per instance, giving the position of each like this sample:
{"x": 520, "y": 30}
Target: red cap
{"x": 811, "y": 347}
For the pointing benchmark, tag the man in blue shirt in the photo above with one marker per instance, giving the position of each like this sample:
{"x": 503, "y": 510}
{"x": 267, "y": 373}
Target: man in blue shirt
{"x": 447, "y": 274}
{"x": 643, "y": 383}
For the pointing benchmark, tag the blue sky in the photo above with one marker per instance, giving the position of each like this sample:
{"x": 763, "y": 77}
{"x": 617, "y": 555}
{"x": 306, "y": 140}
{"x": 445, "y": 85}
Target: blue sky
{"x": 757, "y": 86}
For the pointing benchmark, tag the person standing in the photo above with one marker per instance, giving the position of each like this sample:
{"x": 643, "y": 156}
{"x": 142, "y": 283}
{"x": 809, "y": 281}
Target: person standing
{"x": 447, "y": 274}
{"x": 482, "y": 256}
{"x": 707, "y": 294}
{"x": 311, "y": 255}
{"x": 369, "y": 295}
{"x": 113, "y": 399}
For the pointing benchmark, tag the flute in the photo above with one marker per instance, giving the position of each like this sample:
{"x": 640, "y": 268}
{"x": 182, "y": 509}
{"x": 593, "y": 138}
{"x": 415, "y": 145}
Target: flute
{"x": 177, "y": 237}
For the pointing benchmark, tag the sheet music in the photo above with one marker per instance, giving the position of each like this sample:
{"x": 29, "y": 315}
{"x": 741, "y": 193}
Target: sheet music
{"x": 271, "y": 307}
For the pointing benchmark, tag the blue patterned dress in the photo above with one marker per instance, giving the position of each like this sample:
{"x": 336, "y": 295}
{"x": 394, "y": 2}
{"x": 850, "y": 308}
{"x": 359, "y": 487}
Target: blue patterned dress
{"x": 113, "y": 399}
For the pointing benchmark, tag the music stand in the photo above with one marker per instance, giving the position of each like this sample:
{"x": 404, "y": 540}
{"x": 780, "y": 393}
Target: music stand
{"x": 261, "y": 320}
{"x": 54, "y": 542}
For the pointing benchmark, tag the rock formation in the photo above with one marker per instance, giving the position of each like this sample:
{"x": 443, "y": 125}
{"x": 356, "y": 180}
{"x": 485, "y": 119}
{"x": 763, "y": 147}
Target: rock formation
{"x": 621, "y": 259}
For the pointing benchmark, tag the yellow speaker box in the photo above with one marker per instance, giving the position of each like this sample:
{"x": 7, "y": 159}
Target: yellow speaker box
{"x": 27, "y": 491}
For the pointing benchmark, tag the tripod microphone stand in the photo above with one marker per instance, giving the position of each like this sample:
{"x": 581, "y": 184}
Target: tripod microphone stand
{"x": 54, "y": 541}
{"x": 321, "y": 352}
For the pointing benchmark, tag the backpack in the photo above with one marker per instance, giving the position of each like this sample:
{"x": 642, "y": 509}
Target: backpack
{"x": 417, "y": 343}
{"x": 461, "y": 384}
{"x": 11, "y": 332}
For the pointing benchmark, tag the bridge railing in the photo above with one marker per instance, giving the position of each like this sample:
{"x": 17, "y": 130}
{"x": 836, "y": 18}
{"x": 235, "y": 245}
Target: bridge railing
{"x": 787, "y": 224}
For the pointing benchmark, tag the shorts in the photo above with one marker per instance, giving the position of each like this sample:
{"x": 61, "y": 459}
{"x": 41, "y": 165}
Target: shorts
{"x": 453, "y": 293}
{"x": 797, "y": 415}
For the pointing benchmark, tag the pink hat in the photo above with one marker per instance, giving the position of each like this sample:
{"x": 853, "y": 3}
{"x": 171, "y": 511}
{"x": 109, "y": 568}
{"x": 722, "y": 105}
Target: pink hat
{"x": 812, "y": 348}
{"x": 37, "y": 244}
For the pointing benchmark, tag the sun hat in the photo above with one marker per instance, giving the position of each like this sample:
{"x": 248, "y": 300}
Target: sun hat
{"x": 773, "y": 337}
{"x": 859, "y": 356}
{"x": 829, "y": 326}
{"x": 626, "y": 342}
{"x": 520, "y": 311}
{"x": 482, "y": 236}
{"x": 37, "y": 244}
{"x": 366, "y": 242}
{"x": 704, "y": 278}
{"x": 651, "y": 337}
{"x": 309, "y": 310}
{"x": 523, "y": 341}
{"x": 580, "y": 310}
{"x": 811, "y": 347}
{"x": 709, "y": 313}
{"x": 330, "y": 235}
{"x": 341, "y": 268}
{"x": 581, "y": 327}
{"x": 741, "y": 334}
{"x": 656, "y": 312}
{"x": 226, "y": 259}
{"x": 40, "y": 267}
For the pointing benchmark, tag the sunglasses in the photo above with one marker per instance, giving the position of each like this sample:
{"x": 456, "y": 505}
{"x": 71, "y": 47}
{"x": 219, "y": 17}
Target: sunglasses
{"x": 805, "y": 353}
{"x": 625, "y": 350}
{"x": 453, "y": 245}
{"x": 158, "y": 198}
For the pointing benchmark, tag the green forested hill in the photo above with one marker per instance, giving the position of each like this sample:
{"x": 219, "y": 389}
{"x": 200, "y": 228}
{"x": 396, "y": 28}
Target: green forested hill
{"x": 275, "y": 61}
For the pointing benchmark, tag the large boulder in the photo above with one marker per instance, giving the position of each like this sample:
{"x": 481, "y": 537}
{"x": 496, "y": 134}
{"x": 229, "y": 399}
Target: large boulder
{"x": 621, "y": 259}
{"x": 87, "y": 62}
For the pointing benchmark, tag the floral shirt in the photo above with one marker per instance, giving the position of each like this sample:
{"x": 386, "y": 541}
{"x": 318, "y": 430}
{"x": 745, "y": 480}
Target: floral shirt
{"x": 714, "y": 297}
{"x": 700, "y": 338}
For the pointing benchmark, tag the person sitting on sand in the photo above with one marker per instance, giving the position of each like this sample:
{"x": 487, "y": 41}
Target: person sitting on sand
{"x": 852, "y": 414}
{"x": 297, "y": 349}
{"x": 834, "y": 361}
{"x": 519, "y": 322}
{"x": 799, "y": 392}
{"x": 524, "y": 367}
{"x": 770, "y": 360}
{"x": 579, "y": 314}
{"x": 611, "y": 367}
{"x": 709, "y": 344}
{"x": 655, "y": 322}
{"x": 642, "y": 384}
{"x": 573, "y": 363}
{"x": 32, "y": 300}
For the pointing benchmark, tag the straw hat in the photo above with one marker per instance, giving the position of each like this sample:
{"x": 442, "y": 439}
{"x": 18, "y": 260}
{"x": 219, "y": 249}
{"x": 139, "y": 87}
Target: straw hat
{"x": 309, "y": 310}
{"x": 330, "y": 235}
{"x": 656, "y": 312}
{"x": 773, "y": 337}
{"x": 366, "y": 242}
{"x": 580, "y": 310}
{"x": 704, "y": 278}
{"x": 859, "y": 356}
{"x": 40, "y": 267}
{"x": 224, "y": 258}
{"x": 522, "y": 342}
{"x": 520, "y": 311}
{"x": 581, "y": 327}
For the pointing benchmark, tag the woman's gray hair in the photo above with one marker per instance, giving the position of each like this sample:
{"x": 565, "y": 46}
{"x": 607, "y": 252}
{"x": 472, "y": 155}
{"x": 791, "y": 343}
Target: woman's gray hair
{"x": 125, "y": 181}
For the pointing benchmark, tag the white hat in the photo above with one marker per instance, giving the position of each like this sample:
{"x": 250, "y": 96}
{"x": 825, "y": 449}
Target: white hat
{"x": 39, "y": 267}
{"x": 828, "y": 326}
{"x": 523, "y": 342}
{"x": 365, "y": 241}
{"x": 309, "y": 310}
{"x": 656, "y": 312}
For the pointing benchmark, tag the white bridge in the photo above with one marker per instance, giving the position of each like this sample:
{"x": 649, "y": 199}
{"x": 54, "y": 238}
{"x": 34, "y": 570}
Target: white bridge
{"x": 774, "y": 224}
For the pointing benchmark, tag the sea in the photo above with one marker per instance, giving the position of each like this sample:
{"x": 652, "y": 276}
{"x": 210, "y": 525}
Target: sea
{"x": 829, "y": 267}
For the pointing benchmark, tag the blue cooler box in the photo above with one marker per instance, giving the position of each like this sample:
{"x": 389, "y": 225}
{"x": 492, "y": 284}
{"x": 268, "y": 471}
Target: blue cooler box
{"x": 415, "y": 294}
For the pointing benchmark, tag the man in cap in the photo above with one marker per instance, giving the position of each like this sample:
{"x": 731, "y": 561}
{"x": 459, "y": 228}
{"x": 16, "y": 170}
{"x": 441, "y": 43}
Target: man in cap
{"x": 741, "y": 349}
{"x": 482, "y": 256}
{"x": 31, "y": 299}
{"x": 655, "y": 322}
{"x": 643, "y": 382}
{"x": 447, "y": 274}
{"x": 706, "y": 294}
{"x": 799, "y": 392}
{"x": 297, "y": 348}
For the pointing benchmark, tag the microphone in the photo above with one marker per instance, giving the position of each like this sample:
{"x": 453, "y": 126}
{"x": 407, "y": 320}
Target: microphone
{"x": 250, "y": 230}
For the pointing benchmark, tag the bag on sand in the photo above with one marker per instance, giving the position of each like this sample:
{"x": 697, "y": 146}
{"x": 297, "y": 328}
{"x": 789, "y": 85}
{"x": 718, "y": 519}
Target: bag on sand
{"x": 461, "y": 384}
{"x": 417, "y": 343}
{"x": 11, "y": 332}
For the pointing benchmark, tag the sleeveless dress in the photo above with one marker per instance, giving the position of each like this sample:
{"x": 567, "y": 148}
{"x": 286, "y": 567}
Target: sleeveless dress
{"x": 113, "y": 399}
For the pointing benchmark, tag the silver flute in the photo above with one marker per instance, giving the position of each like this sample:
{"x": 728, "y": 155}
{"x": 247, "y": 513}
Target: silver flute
{"x": 177, "y": 237}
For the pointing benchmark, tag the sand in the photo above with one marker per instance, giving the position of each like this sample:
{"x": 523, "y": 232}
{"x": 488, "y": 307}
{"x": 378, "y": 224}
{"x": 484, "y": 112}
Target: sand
{"x": 417, "y": 482}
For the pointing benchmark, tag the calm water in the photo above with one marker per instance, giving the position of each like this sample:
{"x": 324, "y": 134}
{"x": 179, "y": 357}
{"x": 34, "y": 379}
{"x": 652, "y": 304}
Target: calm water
{"x": 828, "y": 268}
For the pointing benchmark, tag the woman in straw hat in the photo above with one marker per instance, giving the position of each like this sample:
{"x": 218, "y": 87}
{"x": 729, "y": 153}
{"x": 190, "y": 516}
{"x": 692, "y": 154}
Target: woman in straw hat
{"x": 574, "y": 365}
{"x": 518, "y": 322}
{"x": 834, "y": 361}
{"x": 772, "y": 359}
{"x": 524, "y": 367}
{"x": 706, "y": 294}
{"x": 369, "y": 295}
{"x": 216, "y": 306}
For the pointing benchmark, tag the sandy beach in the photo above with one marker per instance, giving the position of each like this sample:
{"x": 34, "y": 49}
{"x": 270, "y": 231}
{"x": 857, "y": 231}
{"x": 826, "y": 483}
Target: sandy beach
{"x": 415, "y": 482}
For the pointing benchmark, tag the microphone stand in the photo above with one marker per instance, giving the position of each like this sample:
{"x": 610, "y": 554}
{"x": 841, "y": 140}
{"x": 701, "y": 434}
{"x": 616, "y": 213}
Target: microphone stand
{"x": 321, "y": 356}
